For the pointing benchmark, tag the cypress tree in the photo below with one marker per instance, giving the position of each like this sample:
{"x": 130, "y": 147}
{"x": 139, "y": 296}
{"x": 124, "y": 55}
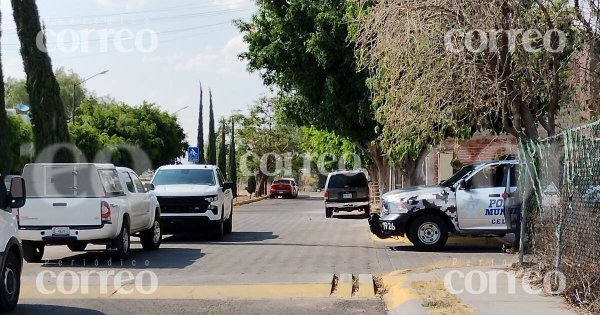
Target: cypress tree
{"x": 223, "y": 150}
{"x": 233, "y": 160}
{"x": 200, "y": 137}
{"x": 211, "y": 152}
{"x": 49, "y": 120}
{"x": 5, "y": 137}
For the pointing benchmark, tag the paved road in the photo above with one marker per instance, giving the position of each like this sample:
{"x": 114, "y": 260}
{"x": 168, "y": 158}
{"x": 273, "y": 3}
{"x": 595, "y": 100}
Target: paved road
{"x": 274, "y": 242}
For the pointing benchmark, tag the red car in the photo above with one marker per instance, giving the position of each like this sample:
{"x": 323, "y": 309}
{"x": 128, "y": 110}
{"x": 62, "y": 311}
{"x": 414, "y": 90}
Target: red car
{"x": 284, "y": 188}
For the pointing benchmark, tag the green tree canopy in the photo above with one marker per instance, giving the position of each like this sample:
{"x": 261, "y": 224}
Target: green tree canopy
{"x": 156, "y": 132}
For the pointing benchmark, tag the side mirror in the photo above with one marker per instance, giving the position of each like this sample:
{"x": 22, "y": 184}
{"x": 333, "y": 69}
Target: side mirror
{"x": 17, "y": 195}
{"x": 149, "y": 187}
{"x": 227, "y": 185}
{"x": 463, "y": 185}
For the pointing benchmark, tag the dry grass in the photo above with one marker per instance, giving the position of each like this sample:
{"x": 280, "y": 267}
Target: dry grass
{"x": 438, "y": 300}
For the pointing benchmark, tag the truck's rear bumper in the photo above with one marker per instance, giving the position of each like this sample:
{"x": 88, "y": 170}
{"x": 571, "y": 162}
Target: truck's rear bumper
{"x": 342, "y": 205}
{"x": 44, "y": 234}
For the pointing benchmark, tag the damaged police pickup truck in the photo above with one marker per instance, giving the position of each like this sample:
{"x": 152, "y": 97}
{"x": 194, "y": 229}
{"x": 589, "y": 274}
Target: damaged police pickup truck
{"x": 479, "y": 200}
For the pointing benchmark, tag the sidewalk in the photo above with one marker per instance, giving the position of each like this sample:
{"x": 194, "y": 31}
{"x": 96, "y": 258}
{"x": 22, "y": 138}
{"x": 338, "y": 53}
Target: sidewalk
{"x": 479, "y": 290}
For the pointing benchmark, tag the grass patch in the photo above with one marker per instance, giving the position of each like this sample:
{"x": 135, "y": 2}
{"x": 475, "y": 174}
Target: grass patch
{"x": 438, "y": 300}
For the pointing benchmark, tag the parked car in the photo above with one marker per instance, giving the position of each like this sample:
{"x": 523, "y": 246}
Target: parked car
{"x": 11, "y": 254}
{"x": 79, "y": 204}
{"x": 346, "y": 191}
{"x": 479, "y": 200}
{"x": 194, "y": 198}
{"x": 285, "y": 187}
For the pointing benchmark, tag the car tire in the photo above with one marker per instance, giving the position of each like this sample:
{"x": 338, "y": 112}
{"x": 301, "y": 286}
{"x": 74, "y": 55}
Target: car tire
{"x": 121, "y": 245}
{"x": 33, "y": 251}
{"x": 228, "y": 226}
{"x": 219, "y": 229}
{"x": 367, "y": 212}
{"x": 152, "y": 237}
{"x": 10, "y": 286}
{"x": 77, "y": 247}
{"x": 328, "y": 212}
{"x": 428, "y": 233}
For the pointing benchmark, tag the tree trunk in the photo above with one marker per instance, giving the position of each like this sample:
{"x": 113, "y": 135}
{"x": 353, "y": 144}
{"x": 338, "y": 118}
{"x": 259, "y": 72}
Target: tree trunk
{"x": 411, "y": 169}
{"x": 380, "y": 170}
{"x": 262, "y": 184}
{"x": 5, "y": 138}
{"x": 49, "y": 121}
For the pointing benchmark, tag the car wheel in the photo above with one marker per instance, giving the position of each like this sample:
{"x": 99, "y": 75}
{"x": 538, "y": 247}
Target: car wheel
{"x": 33, "y": 251}
{"x": 368, "y": 212}
{"x": 152, "y": 237}
{"x": 10, "y": 283}
{"x": 328, "y": 212}
{"x": 228, "y": 226}
{"x": 77, "y": 247}
{"x": 120, "y": 246}
{"x": 428, "y": 233}
{"x": 219, "y": 229}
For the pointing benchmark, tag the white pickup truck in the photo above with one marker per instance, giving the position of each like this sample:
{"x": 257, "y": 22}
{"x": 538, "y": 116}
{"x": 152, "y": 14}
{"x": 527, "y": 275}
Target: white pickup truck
{"x": 11, "y": 257}
{"x": 78, "y": 204}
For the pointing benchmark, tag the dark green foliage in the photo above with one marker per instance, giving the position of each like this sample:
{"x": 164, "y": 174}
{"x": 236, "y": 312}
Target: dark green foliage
{"x": 211, "y": 152}
{"x": 232, "y": 159}
{"x": 222, "y": 163}
{"x": 5, "y": 136}
{"x": 200, "y": 138}
{"x": 302, "y": 47}
{"x": 49, "y": 117}
{"x": 104, "y": 125}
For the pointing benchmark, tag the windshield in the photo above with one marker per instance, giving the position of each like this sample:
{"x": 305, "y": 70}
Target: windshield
{"x": 458, "y": 175}
{"x": 282, "y": 182}
{"x": 184, "y": 177}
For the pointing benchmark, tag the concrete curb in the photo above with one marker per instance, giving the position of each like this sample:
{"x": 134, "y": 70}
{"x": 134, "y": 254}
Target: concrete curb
{"x": 249, "y": 201}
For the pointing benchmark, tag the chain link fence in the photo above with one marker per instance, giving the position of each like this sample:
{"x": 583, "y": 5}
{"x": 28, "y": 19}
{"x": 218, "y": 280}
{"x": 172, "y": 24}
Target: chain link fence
{"x": 560, "y": 189}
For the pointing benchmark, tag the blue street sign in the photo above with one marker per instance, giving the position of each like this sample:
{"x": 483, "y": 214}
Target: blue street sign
{"x": 193, "y": 154}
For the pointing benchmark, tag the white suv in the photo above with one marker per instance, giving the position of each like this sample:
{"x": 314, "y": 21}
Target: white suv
{"x": 11, "y": 257}
{"x": 78, "y": 204}
{"x": 194, "y": 198}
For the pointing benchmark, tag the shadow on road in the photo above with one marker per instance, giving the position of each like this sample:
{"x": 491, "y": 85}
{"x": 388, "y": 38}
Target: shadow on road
{"x": 35, "y": 309}
{"x": 235, "y": 237}
{"x": 456, "y": 249}
{"x": 361, "y": 216}
{"x": 139, "y": 259}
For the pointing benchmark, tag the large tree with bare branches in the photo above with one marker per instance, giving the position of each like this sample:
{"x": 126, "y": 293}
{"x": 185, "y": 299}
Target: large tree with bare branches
{"x": 431, "y": 86}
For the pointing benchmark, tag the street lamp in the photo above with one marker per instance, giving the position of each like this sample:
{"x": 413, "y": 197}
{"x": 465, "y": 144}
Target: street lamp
{"x": 75, "y": 84}
{"x": 177, "y": 111}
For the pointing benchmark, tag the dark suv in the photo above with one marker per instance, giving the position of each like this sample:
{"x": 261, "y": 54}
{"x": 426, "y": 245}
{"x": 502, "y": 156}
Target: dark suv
{"x": 346, "y": 191}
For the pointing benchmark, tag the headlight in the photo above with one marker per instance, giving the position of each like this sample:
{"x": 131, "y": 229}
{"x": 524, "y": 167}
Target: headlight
{"x": 212, "y": 198}
{"x": 393, "y": 205}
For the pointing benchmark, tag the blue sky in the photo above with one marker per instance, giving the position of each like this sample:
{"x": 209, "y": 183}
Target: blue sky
{"x": 195, "y": 41}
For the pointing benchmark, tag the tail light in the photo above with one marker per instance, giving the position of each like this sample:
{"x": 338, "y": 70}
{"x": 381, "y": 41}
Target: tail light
{"x": 368, "y": 193}
{"x": 105, "y": 211}
{"x": 326, "y": 194}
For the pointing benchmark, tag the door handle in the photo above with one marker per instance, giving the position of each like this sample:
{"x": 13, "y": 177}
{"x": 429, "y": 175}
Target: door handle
{"x": 495, "y": 195}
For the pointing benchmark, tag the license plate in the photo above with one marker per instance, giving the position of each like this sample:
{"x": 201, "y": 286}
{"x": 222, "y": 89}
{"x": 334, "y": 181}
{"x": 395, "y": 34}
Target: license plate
{"x": 347, "y": 196}
{"x": 60, "y": 231}
{"x": 388, "y": 226}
